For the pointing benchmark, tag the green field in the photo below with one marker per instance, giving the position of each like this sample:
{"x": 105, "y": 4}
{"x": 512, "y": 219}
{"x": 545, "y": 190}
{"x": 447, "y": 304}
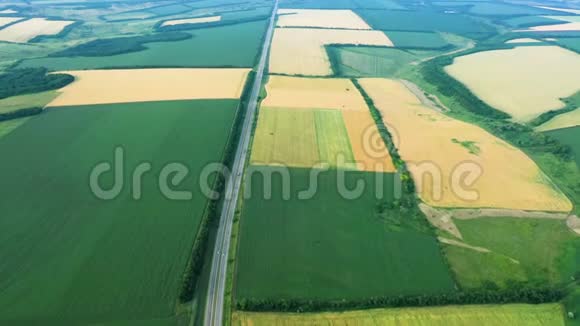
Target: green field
{"x": 343, "y": 4}
{"x": 571, "y": 43}
{"x": 235, "y": 46}
{"x": 417, "y": 40}
{"x": 570, "y": 137}
{"x": 332, "y": 138}
{"x": 363, "y": 61}
{"x": 528, "y": 21}
{"x": 512, "y": 314}
{"x": 331, "y": 247}
{"x": 321, "y": 134}
{"x": 425, "y": 21}
{"x": 7, "y": 127}
{"x": 572, "y": 304}
{"x": 27, "y": 101}
{"x": 277, "y": 133}
{"x": 535, "y": 250}
{"x": 73, "y": 259}
{"x": 501, "y": 9}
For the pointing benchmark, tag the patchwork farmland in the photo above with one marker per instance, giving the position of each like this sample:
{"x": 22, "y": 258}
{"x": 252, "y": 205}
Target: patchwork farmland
{"x": 283, "y": 162}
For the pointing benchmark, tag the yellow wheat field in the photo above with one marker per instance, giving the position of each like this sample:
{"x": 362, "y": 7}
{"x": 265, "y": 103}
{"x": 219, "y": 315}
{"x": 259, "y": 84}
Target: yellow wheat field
{"x": 523, "y": 82}
{"x": 320, "y": 18}
{"x": 313, "y": 93}
{"x": 198, "y": 20}
{"x": 512, "y": 314}
{"x": 456, "y": 164}
{"x": 26, "y": 30}
{"x": 142, "y": 85}
{"x": 8, "y": 20}
{"x": 301, "y": 51}
{"x": 368, "y": 148}
{"x": 566, "y": 120}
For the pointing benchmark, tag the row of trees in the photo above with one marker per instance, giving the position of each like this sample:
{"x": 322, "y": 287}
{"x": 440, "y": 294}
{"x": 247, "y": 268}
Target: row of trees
{"x": 532, "y": 295}
{"x": 31, "y": 80}
{"x": 213, "y": 208}
{"x": 19, "y": 114}
{"x": 433, "y": 73}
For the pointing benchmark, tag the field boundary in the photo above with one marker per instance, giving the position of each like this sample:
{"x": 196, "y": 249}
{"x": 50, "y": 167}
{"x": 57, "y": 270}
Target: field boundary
{"x": 212, "y": 209}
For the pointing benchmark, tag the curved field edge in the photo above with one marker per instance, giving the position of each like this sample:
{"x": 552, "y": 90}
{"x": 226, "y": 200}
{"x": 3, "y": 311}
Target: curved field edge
{"x": 514, "y": 314}
{"x": 554, "y": 158}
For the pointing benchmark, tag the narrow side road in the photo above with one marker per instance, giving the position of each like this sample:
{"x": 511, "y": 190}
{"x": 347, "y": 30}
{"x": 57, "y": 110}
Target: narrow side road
{"x": 216, "y": 291}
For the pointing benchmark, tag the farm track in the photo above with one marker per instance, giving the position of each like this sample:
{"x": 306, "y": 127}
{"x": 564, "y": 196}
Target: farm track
{"x": 442, "y": 218}
{"x": 214, "y": 308}
{"x": 434, "y": 104}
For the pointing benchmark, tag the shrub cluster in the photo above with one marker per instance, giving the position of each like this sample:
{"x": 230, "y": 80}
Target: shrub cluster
{"x": 30, "y": 80}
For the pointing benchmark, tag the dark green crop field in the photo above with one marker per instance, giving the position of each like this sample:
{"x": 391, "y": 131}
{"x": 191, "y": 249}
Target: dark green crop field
{"x": 234, "y": 45}
{"x": 501, "y": 9}
{"x": 572, "y": 43}
{"x": 570, "y": 137}
{"x": 425, "y": 21}
{"x": 71, "y": 258}
{"x": 528, "y": 21}
{"x": 416, "y": 40}
{"x": 330, "y": 247}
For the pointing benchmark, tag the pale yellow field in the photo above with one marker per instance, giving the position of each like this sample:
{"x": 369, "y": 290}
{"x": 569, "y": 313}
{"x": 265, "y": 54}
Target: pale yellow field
{"x": 198, "y": 20}
{"x": 8, "y": 11}
{"x": 523, "y": 82}
{"x": 320, "y": 18}
{"x": 523, "y": 40}
{"x": 572, "y": 11}
{"x": 300, "y": 51}
{"x": 8, "y": 20}
{"x": 566, "y": 120}
{"x": 24, "y": 31}
{"x": 484, "y": 315}
{"x": 559, "y": 27}
{"x": 368, "y": 148}
{"x": 142, "y": 85}
{"x": 313, "y": 93}
{"x": 569, "y": 19}
{"x": 446, "y": 171}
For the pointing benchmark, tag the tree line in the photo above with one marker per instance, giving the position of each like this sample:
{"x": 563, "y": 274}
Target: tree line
{"x": 433, "y": 72}
{"x": 213, "y": 208}
{"x": 521, "y": 294}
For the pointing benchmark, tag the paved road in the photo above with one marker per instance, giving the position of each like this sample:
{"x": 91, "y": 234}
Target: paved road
{"x": 217, "y": 282}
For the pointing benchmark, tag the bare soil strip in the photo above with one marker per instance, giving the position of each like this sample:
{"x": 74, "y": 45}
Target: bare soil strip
{"x": 462, "y": 245}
